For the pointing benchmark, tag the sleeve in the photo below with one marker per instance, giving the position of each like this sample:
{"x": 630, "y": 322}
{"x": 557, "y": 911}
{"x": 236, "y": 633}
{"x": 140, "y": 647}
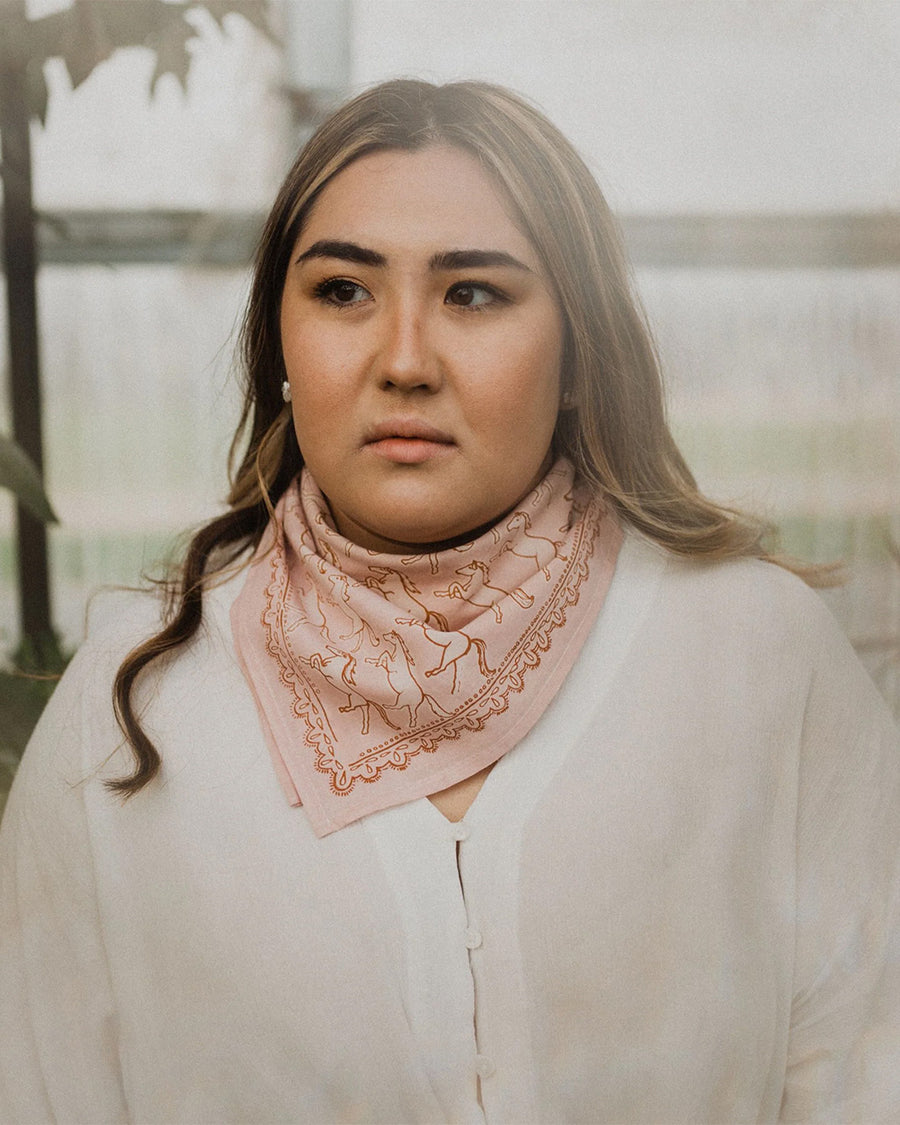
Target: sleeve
{"x": 844, "y": 1051}
{"x": 59, "y": 1061}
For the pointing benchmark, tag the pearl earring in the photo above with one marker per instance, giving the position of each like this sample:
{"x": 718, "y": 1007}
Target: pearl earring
{"x": 286, "y": 391}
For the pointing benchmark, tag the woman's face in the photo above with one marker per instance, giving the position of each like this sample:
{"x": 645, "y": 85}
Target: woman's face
{"x": 422, "y": 343}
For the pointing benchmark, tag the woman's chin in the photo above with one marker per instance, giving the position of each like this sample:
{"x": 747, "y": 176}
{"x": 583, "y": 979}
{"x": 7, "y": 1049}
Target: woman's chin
{"x": 402, "y": 537}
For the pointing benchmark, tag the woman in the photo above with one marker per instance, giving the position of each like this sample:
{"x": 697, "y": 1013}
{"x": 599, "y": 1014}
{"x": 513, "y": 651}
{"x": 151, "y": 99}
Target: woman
{"x": 581, "y": 807}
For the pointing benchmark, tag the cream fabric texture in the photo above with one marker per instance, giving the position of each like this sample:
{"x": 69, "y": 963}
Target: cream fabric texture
{"x": 675, "y": 901}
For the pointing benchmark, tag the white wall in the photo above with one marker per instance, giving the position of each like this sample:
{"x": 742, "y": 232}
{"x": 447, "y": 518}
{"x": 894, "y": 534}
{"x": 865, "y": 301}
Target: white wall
{"x": 679, "y": 105}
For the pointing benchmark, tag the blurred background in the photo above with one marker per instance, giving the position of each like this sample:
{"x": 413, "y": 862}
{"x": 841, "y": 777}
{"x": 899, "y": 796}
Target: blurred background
{"x": 749, "y": 147}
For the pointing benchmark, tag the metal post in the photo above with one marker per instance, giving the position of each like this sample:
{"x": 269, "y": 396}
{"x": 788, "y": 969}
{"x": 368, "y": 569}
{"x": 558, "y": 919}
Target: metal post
{"x": 20, "y": 264}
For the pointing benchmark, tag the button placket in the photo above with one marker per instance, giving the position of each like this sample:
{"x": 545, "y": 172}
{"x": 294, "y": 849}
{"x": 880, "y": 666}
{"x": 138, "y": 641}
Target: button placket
{"x": 433, "y": 970}
{"x": 484, "y": 1067}
{"x": 502, "y": 1063}
{"x": 473, "y": 938}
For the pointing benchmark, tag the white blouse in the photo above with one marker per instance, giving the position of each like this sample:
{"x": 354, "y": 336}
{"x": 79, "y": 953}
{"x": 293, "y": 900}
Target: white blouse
{"x": 675, "y": 901}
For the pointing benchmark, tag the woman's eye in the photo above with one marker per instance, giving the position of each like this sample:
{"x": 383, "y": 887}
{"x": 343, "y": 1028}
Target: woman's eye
{"x": 471, "y": 296}
{"x": 339, "y": 291}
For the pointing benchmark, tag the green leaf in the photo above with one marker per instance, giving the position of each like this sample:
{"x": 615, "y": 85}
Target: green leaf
{"x": 19, "y": 473}
{"x": 172, "y": 56}
{"x": 89, "y": 31}
{"x": 87, "y": 42}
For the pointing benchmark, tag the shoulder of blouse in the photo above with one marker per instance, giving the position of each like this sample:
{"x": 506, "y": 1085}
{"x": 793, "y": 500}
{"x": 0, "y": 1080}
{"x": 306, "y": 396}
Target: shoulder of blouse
{"x": 119, "y": 618}
{"x": 733, "y": 586}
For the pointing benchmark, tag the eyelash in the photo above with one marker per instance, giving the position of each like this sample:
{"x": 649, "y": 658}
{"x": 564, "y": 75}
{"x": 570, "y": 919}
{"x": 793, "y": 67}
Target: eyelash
{"x": 498, "y": 297}
{"x": 325, "y": 291}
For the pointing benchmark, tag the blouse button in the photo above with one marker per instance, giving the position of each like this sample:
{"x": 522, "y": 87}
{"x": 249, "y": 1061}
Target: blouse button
{"x": 460, "y": 831}
{"x": 473, "y": 938}
{"x": 484, "y": 1068}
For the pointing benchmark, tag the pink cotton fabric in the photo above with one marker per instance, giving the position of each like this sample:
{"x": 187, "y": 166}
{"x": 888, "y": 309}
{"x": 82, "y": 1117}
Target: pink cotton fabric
{"x": 383, "y": 678}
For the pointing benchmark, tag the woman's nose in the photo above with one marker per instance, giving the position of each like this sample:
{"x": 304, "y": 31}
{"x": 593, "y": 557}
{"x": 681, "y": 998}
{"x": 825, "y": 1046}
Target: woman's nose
{"x": 408, "y": 359}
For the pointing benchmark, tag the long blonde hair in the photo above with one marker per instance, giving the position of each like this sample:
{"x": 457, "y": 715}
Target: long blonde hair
{"x": 616, "y": 435}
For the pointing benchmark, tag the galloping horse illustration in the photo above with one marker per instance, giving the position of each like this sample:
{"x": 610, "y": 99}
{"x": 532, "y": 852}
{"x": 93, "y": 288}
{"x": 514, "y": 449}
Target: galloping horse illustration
{"x": 325, "y": 549}
{"x": 314, "y": 607}
{"x": 433, "y": 561}
{"x": 453, "y": 646}
{"x": 539, "y": 548}
{"x": 307, "y": 539}
{"x": 339, "y": 670}
{"x": 303, "y": 607}
{"x": 410, "y": 693}
{"x": 460, "y": 591}
{"x": 526, "y": 601}
{"x": 542, "y": 490}
{"x": 341, "y": 594}
{"x": 379, "y": 579}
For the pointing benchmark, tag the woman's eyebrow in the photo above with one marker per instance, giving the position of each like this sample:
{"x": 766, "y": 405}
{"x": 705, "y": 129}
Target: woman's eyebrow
{"x": 346, "y": 251}
{"x": 473, "y": 259}
{"x": 443, "y": 260}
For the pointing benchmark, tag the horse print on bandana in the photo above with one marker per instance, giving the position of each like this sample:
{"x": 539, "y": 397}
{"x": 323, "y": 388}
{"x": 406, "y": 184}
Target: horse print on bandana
{"x": 383, "y": 678}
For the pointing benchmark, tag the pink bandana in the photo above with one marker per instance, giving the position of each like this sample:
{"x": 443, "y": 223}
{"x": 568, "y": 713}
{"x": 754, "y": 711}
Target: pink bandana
{"x": 383, "y": 678}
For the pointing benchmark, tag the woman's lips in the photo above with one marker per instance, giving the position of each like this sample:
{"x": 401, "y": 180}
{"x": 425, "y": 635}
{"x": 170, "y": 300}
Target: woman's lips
{"x": 408, "y": 451}
{"x": 408, "y": 441}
